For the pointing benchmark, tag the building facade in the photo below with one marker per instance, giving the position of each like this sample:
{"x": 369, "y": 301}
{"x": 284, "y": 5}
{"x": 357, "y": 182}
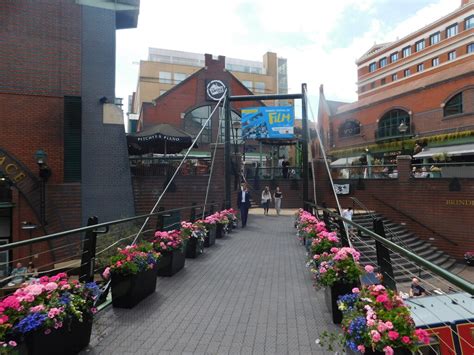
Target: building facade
{"x": 63, "y": 153}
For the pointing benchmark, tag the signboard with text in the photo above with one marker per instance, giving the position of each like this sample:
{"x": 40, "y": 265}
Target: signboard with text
{"x": 268, "y": 122}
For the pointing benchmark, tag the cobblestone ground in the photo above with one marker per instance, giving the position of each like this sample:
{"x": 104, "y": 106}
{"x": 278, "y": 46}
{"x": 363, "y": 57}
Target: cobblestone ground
{"x": 248, "y": 294}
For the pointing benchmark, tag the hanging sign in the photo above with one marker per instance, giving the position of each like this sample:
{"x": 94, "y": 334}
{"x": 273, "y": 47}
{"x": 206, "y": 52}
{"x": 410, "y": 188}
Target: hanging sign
{"x": 268, "y": 122}
{"x": 342, "y": 189}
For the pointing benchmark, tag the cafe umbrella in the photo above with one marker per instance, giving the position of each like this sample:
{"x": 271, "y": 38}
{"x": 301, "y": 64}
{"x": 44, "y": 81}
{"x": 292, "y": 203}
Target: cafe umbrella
{"x": 159, "y": 139}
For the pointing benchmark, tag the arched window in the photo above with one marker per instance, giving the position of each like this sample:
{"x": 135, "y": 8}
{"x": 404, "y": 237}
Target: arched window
{"x": 349, "y": 128}
{"x": 454, "y": 105}
{"x": 390, "y": 122}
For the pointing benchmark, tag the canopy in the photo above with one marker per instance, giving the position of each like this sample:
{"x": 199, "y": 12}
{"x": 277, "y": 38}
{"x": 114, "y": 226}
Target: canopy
{"x": 162, "y": 139}
{"x": 341, "y": 162}
{"x": 454, "y": 150}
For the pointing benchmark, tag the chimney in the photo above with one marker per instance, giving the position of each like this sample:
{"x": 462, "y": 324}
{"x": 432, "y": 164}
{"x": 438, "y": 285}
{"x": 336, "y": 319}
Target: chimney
{"x": 210, "y": 61}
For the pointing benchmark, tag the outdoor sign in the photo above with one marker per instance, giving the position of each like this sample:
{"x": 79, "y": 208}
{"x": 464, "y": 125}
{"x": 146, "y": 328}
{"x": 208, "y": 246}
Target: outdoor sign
{"x": 342, "y": 189}
{"x": 268, "y": 122}
{"x": 215, "y": 89}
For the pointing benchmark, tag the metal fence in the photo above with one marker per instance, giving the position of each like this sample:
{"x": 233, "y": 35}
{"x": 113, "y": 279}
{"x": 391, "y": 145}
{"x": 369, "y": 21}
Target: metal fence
{"x": 167, "y": 166}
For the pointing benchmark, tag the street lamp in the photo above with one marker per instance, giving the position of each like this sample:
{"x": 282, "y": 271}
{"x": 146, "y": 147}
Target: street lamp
{"x": 403, "y": 128}
{"x": 236, "y": 126}
{"x": 44, "y": 174}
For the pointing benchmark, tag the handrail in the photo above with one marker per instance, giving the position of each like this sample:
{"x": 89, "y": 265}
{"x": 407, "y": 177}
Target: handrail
{"x": 48, "y": 237}
{"x": 450, "y": 277}
{"x": 415, "y": 220}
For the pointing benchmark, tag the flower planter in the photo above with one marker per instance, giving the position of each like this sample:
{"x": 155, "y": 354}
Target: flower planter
{"x": 369, "y": 351}
{"x": 210, "y": 238}
{"x": 128, "y": 291}
{"x": 194, "y": 247}
{"x": 67, "y": 340}
{"x": 331, "y": 295}
{"x": 176, "y": 259}
{"x": 220, "y": 232}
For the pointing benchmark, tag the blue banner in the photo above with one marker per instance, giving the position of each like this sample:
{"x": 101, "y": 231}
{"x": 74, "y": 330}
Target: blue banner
{"x": 268, "y": 122}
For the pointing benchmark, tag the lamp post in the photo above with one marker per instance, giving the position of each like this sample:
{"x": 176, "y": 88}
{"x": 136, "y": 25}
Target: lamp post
{"x": 44, "y": 174}
{"x": 403, "y": 128}
{"x": 236, "y": 126}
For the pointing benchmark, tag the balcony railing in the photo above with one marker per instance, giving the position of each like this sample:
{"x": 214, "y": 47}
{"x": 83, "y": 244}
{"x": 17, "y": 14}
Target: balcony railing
{"x": 444, "y": 170}
{"x": 166, "y": 167}
{"x": 365, "y": 172}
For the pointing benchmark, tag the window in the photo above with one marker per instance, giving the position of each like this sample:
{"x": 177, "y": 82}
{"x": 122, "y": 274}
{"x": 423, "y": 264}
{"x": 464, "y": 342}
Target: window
{"x": 453, "y": 106}
{"x": 349, "y": 128}
{"x": 234, "y": 118}
{"x": 248, "y": 84}
{"x": 372, "y": 85}
{"x": 383, "y": 62}
{"x": 72, "y": 138}
{"x": 406, "y": 51}
{"x": 382, "y": 81}
{"x": 259, "y": 87}
{"x": 394, "y": 77}
{"x": 393, "y": 57}
{"x": 195, "y": 120}
{"x": 420, "y": 45}
{"x": 164, "y": 77}
{"x": 435, "y": 38}
{"x": 162, "y": 92}
{"x": 452, "y": 55}
{"x": 179, "y": 77}
{"x": 372, "y": 67}
{"x": 389, "y": 123}
{"x": 420, "y": 67}
{"x": 469, "y": 22}
{"x": 452, "y": 30}
{"x": 406, "y": 72}
{"x": 470, "y": 48}
{"x": 435, "y": 62}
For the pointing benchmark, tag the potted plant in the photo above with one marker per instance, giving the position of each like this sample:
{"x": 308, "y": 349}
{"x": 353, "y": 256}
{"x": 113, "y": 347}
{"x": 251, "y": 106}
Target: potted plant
{"x": 210, "y": 223}
{"x": 339, "y": 272}
{"x": 133, "y": 273}
{"x": 52, "y": 315}
{"x": 193, "y": 234}
{"x": 377, "y": 321}
{"x": 222, "y": 222}
{"x": 323, "y": 243}
{"x": 232, "y": 217}
{"x": 469, "y": 257}
{"x": 170, "y": 245}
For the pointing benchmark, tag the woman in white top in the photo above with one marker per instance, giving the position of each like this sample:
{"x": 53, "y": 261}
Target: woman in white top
{"x": 266, "y": 198}
{"x": 278, "y": 196}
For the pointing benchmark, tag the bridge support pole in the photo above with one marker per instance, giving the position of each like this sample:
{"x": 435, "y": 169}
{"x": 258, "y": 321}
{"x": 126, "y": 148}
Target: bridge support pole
{"x": 227, "y": 161}
{"x": 304, "y": 150}
{"x": 88, "y": 252}
{"x": 383, "y": 257}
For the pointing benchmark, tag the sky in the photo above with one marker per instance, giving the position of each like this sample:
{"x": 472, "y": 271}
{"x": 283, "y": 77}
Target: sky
{"x": 320, "y": 39}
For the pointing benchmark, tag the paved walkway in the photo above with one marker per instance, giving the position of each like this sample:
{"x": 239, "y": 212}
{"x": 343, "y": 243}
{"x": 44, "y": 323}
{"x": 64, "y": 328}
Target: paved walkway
{"x": 248, "y": 294}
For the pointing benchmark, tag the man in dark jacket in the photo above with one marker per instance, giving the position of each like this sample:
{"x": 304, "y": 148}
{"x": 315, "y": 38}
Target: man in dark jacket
{"x": 243, "y": 202}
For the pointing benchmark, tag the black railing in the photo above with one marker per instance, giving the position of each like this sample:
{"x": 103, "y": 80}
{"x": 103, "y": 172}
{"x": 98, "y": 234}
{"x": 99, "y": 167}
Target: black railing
{"x": 166, "y": 167}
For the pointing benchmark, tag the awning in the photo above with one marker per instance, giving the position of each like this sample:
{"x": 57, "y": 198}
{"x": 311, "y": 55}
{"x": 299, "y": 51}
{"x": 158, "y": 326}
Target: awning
{"x": 341, "y": 162}
{"x": 453, "y": 150}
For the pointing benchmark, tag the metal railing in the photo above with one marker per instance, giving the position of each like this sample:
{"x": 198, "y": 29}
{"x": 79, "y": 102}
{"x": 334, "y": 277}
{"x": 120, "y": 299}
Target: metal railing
{"x": 292, "y": 172}
{"x": 166, "y": 166}
{"x": 448, "y": 170}
{"x": 388, "y": 171}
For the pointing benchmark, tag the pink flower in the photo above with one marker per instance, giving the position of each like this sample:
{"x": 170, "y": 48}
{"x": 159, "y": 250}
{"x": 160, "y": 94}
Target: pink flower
{"x": 381, "y": 327}
{"x": 406, "y": 340}
{"x": 369, "y": 268}
{"x": 47, "y": 331}
{"x": 355, "y": 290}
{"x": 393, "y": 335}
{"x": 34, "y": 289}
{"x": 375, "y": 336}
{"x": 51, "y": 286}
{"x": 3, "y": 319}
{"x": 422, "y": 335}
{"x": 361, "y": 348}
{"x": 38, "y": 308}
{"x": 388, "y": 350}
{"x": 389, "y": 325}
{"x": 12, "y": 343}
{"x": 53, "y": 312}
{"x": 11, "y": 302}
{"x": 381, "y": 298}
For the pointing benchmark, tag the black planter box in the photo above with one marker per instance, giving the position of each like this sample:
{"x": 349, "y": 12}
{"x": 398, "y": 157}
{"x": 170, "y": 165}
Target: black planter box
{"x": 176, "y": 259}
{"x": 68, "y": 340}
{"x": 128, "y": 291}
{"x": 331, "y": 295}
{"x": 194, "y": 247}
{"x": 369, "y": 351}
{"x": 210, "y": 238}
{"x": 220, "y": 232}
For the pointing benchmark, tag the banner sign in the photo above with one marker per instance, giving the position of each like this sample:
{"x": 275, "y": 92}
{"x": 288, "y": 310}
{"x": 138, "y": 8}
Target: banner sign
{"x": 341, "y": 189}
{"x": 268, "y": 122}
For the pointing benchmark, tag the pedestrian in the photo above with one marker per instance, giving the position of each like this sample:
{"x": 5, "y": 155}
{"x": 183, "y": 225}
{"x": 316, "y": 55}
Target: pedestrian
{"x": 416, "y": 290}
{"x": 243, "y": 202}
{"x": 277, "y": 196}
{"x": 285, "y": 164}
{"x": 347, "y": 214}
{"x": 266, "y": 198}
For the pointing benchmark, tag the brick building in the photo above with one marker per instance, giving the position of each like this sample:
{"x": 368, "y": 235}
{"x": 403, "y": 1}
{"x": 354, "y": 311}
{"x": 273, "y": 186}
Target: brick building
{"x": 57, "y": 83}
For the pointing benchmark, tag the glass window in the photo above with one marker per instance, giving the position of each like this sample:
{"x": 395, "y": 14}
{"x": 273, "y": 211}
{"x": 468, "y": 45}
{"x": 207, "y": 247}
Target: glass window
{"x": 235, "y": 118}
{"x": 349, "y": 128}
{"x": 179, "y": 77}
{"x": 452, "y": 55}
{"x": 454, "y": 105}
{"x": 382, "y": 81}
{"x": 393, "y": 57}
{"x": 452, "y": 30}
{"x": 162, "y": 92}
{"x": 165, "y": 77}
{"x": 470, "y": 48}
{"x": 394, "y": 77}
{"x": 469, "y": 22}
{"x": 420, "y": 45}
{"x": 435, "y": 62}
{"x": 406, "y": 72}
{"x": 196, "y": 119}
{"x": 248, "y": 84}
{"x": 435, "y": 38}
{"x": 259, "y": 87}
{"x": 389, "y": 123}
{"x": 406, "y": 51}
{"x": 372, "y": 67}
{"x": 420, "y": 67}
{"x": 383, "y": 62}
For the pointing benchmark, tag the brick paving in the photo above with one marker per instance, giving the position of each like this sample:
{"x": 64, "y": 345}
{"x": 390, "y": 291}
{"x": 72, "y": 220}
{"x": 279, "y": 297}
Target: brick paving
{"x": 248, "y": 294}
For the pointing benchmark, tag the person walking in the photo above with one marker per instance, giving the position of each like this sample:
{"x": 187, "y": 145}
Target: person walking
{"x": 277, "y": 196}
{"x": 243, "y": 203}
{"x": 266, "y": 198}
